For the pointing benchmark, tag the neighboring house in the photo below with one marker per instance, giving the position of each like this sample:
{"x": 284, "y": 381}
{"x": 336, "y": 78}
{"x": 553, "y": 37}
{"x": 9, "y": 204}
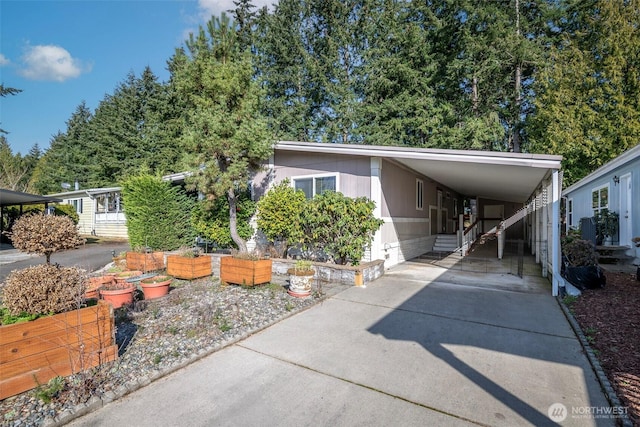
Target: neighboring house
{"x": 614, "y": 186}
{"x": 422, "y": 193}
{"x": 99, "y": 210}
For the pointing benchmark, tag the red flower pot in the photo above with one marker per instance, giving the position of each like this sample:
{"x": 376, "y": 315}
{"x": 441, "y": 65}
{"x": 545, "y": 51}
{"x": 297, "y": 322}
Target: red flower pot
{"x": 118, "y": 294}
{"x": 95, "y": 283}
{"x": 156, "y": 286}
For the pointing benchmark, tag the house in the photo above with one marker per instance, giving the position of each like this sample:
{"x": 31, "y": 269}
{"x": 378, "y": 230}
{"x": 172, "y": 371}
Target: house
{"x": 616, "y": 187}
{"x": 99, "y": 210}
{"x": 422, "y": 194}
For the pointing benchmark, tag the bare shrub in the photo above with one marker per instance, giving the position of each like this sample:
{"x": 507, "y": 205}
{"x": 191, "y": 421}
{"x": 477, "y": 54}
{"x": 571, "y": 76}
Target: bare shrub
{"x": 45, "y": 234}
{"x": 44, "y": 289}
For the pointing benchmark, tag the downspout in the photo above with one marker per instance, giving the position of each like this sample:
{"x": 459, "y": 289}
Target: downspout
{"x": 93, "y": 213}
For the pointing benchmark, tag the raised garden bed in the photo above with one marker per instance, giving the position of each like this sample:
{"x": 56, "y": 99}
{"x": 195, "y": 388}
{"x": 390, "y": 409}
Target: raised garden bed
{"x": 32, "y": 353}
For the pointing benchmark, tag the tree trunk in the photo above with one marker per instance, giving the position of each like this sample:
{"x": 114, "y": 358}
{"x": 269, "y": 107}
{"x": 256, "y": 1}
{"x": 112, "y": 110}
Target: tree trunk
{"x": 518, "y": 87}
{"x": 233, "y": 221}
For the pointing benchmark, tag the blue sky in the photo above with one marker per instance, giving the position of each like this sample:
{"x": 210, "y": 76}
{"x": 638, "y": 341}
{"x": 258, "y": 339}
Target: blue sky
{"x": 60, "y": 53}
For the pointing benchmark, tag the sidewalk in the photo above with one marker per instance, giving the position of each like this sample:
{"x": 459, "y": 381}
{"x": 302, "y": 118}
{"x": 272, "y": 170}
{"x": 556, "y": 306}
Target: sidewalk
{"x": 420, "y": 346}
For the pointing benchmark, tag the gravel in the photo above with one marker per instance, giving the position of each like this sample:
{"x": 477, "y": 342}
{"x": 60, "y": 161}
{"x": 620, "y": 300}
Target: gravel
{"x": 157, "y": 337}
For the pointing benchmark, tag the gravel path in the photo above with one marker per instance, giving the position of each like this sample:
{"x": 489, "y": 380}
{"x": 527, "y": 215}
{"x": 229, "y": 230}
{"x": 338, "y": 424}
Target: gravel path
{"x": 158, "y": 337}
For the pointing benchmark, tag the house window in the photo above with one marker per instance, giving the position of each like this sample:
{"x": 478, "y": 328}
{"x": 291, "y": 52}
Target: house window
{"x": 419, "y": 194}
{"x": 314, "y": 185}
{"x": 600, "y": 199}
{"x": 570, "y": 212}
{"x": 77, "y": 204}
{"x": 108, "y": 202}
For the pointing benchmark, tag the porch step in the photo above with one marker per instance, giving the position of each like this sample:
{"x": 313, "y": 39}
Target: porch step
{"x": 445, "y": 243}
{"x": 613, "y": 255}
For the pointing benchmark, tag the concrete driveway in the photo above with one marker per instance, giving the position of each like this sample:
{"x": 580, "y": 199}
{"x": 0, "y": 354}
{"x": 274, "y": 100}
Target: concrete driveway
{"x": 421, "y": 346}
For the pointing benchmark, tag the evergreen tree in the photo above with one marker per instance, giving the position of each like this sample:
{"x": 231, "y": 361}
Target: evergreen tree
{"x": 224, "y": 131}
{"x": 588, "y": 96}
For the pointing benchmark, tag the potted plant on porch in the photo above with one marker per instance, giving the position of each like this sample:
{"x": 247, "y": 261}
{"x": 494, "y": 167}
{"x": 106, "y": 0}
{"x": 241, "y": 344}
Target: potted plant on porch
{"x": 606, "y": 226}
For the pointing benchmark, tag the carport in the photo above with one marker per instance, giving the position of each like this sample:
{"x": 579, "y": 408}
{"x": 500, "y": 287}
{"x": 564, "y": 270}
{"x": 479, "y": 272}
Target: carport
{"x": 531, "y": 180}
{"x": 17, "y": 198}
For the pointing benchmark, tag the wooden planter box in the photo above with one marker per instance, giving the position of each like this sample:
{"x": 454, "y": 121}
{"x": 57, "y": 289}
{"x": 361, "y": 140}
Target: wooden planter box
{"x": 245, "y": 271}
{"x": 145, "y": 261}
{"x": 60, "y": 345}
{"x": 188, "y": 268}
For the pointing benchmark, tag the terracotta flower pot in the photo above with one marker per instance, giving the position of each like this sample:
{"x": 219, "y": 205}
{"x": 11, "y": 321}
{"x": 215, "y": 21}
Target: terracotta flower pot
{"x": 156, "y": 286}
{"x": 119, "y": 293}
{"x": 300, "y": 282}
{"x": 95, "y": 283}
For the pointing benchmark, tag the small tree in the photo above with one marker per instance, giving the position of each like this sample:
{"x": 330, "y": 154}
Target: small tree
{"x": 280, "y": 214}
{"x": 158, "y": 213}
{"x": 45, "y": 234}
{"x": 342, "y": 226}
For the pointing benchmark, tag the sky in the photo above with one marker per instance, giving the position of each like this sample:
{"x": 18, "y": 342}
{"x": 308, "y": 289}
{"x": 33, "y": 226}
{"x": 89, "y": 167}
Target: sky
{"x": 61, "y": 53}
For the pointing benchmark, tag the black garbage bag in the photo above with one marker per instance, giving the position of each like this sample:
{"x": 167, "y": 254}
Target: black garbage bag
{"x": 586, "y": 277}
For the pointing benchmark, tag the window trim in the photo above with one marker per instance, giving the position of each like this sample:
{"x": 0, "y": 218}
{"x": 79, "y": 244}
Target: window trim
{"x": 419, "y": 194}
{"x": 313, "y": 177}
{"x": 76, "y": 203}
{"x": 598, "y": 190}
{"x": 570, "y": 212}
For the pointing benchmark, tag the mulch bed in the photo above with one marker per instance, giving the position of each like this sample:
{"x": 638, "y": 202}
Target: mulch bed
{"x": 610, "y": 319}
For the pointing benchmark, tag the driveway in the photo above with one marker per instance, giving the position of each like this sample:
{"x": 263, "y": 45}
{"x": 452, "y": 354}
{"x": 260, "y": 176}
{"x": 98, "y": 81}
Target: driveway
{"x": 90, "y": 256}
{"x": 420, "y": 346}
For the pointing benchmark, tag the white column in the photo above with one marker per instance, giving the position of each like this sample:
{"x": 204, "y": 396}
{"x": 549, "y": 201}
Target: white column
{"x": 377, "y": 247}
{"x": 555, "y": 239}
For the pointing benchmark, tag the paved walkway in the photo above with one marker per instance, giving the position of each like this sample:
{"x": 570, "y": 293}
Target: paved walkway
{"x": 421, "y": 346}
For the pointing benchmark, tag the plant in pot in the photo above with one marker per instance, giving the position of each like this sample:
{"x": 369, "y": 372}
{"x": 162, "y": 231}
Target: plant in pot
{"x": 301, "y": 278}
{"x": 156, "y": 286}
{"x": 52, "y": 298}
{"x": 120, "y": 292}
{"x": 580, "y": 266}
{"x": 189, "y": 264}
{"x": 606, "y": 226}
{"x": 227, "y": 136}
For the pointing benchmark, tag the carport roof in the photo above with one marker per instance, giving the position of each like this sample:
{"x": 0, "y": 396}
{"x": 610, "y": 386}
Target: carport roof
{"x": 489, "y": 174}
{"x": 11, "y": 198}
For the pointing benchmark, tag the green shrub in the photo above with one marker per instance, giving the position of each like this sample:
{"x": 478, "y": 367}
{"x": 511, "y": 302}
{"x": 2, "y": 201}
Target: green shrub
{"x": 579, "y": 252}
{"x": 44, "y": 289}
{"x": 342, "y": 226}
{"x": 211, "y": 219}
{"x": 158, "y": 213}
{"x": 280, "y": 214}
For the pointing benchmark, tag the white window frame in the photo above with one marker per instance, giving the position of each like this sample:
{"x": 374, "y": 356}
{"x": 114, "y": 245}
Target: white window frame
{"x": 77, "y": 204}
{"x": 599, "y": 190}
{"x": 419, "y": 194}
{"x": 313, "y": 177}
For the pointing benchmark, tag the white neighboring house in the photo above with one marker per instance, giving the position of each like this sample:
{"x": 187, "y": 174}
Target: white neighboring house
{"x": 100, "y": 211}
{"x": 614, "y": 186}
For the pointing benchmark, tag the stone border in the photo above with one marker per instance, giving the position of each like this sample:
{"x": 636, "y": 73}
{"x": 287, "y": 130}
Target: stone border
{"x": 605, "y": 385}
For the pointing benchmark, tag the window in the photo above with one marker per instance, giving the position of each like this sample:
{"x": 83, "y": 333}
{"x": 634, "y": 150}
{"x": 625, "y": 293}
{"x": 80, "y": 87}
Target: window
{"x": 314, "y": 185}
{"x": 600, "y": 199}
{"x": 419, "y": 194}
{"x": 77, "y": 204}
{"x": 570, "y": 213}
{"x": 108, "y": 202}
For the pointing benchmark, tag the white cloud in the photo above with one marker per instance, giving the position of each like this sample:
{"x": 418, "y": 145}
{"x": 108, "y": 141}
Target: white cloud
{"x": 50, "y": 62}
{"x": 3, "y": 60}
{"x": 215, "y": 7}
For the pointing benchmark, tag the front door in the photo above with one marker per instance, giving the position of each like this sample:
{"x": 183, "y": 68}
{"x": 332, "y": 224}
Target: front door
{"x": 625, "y": 211}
